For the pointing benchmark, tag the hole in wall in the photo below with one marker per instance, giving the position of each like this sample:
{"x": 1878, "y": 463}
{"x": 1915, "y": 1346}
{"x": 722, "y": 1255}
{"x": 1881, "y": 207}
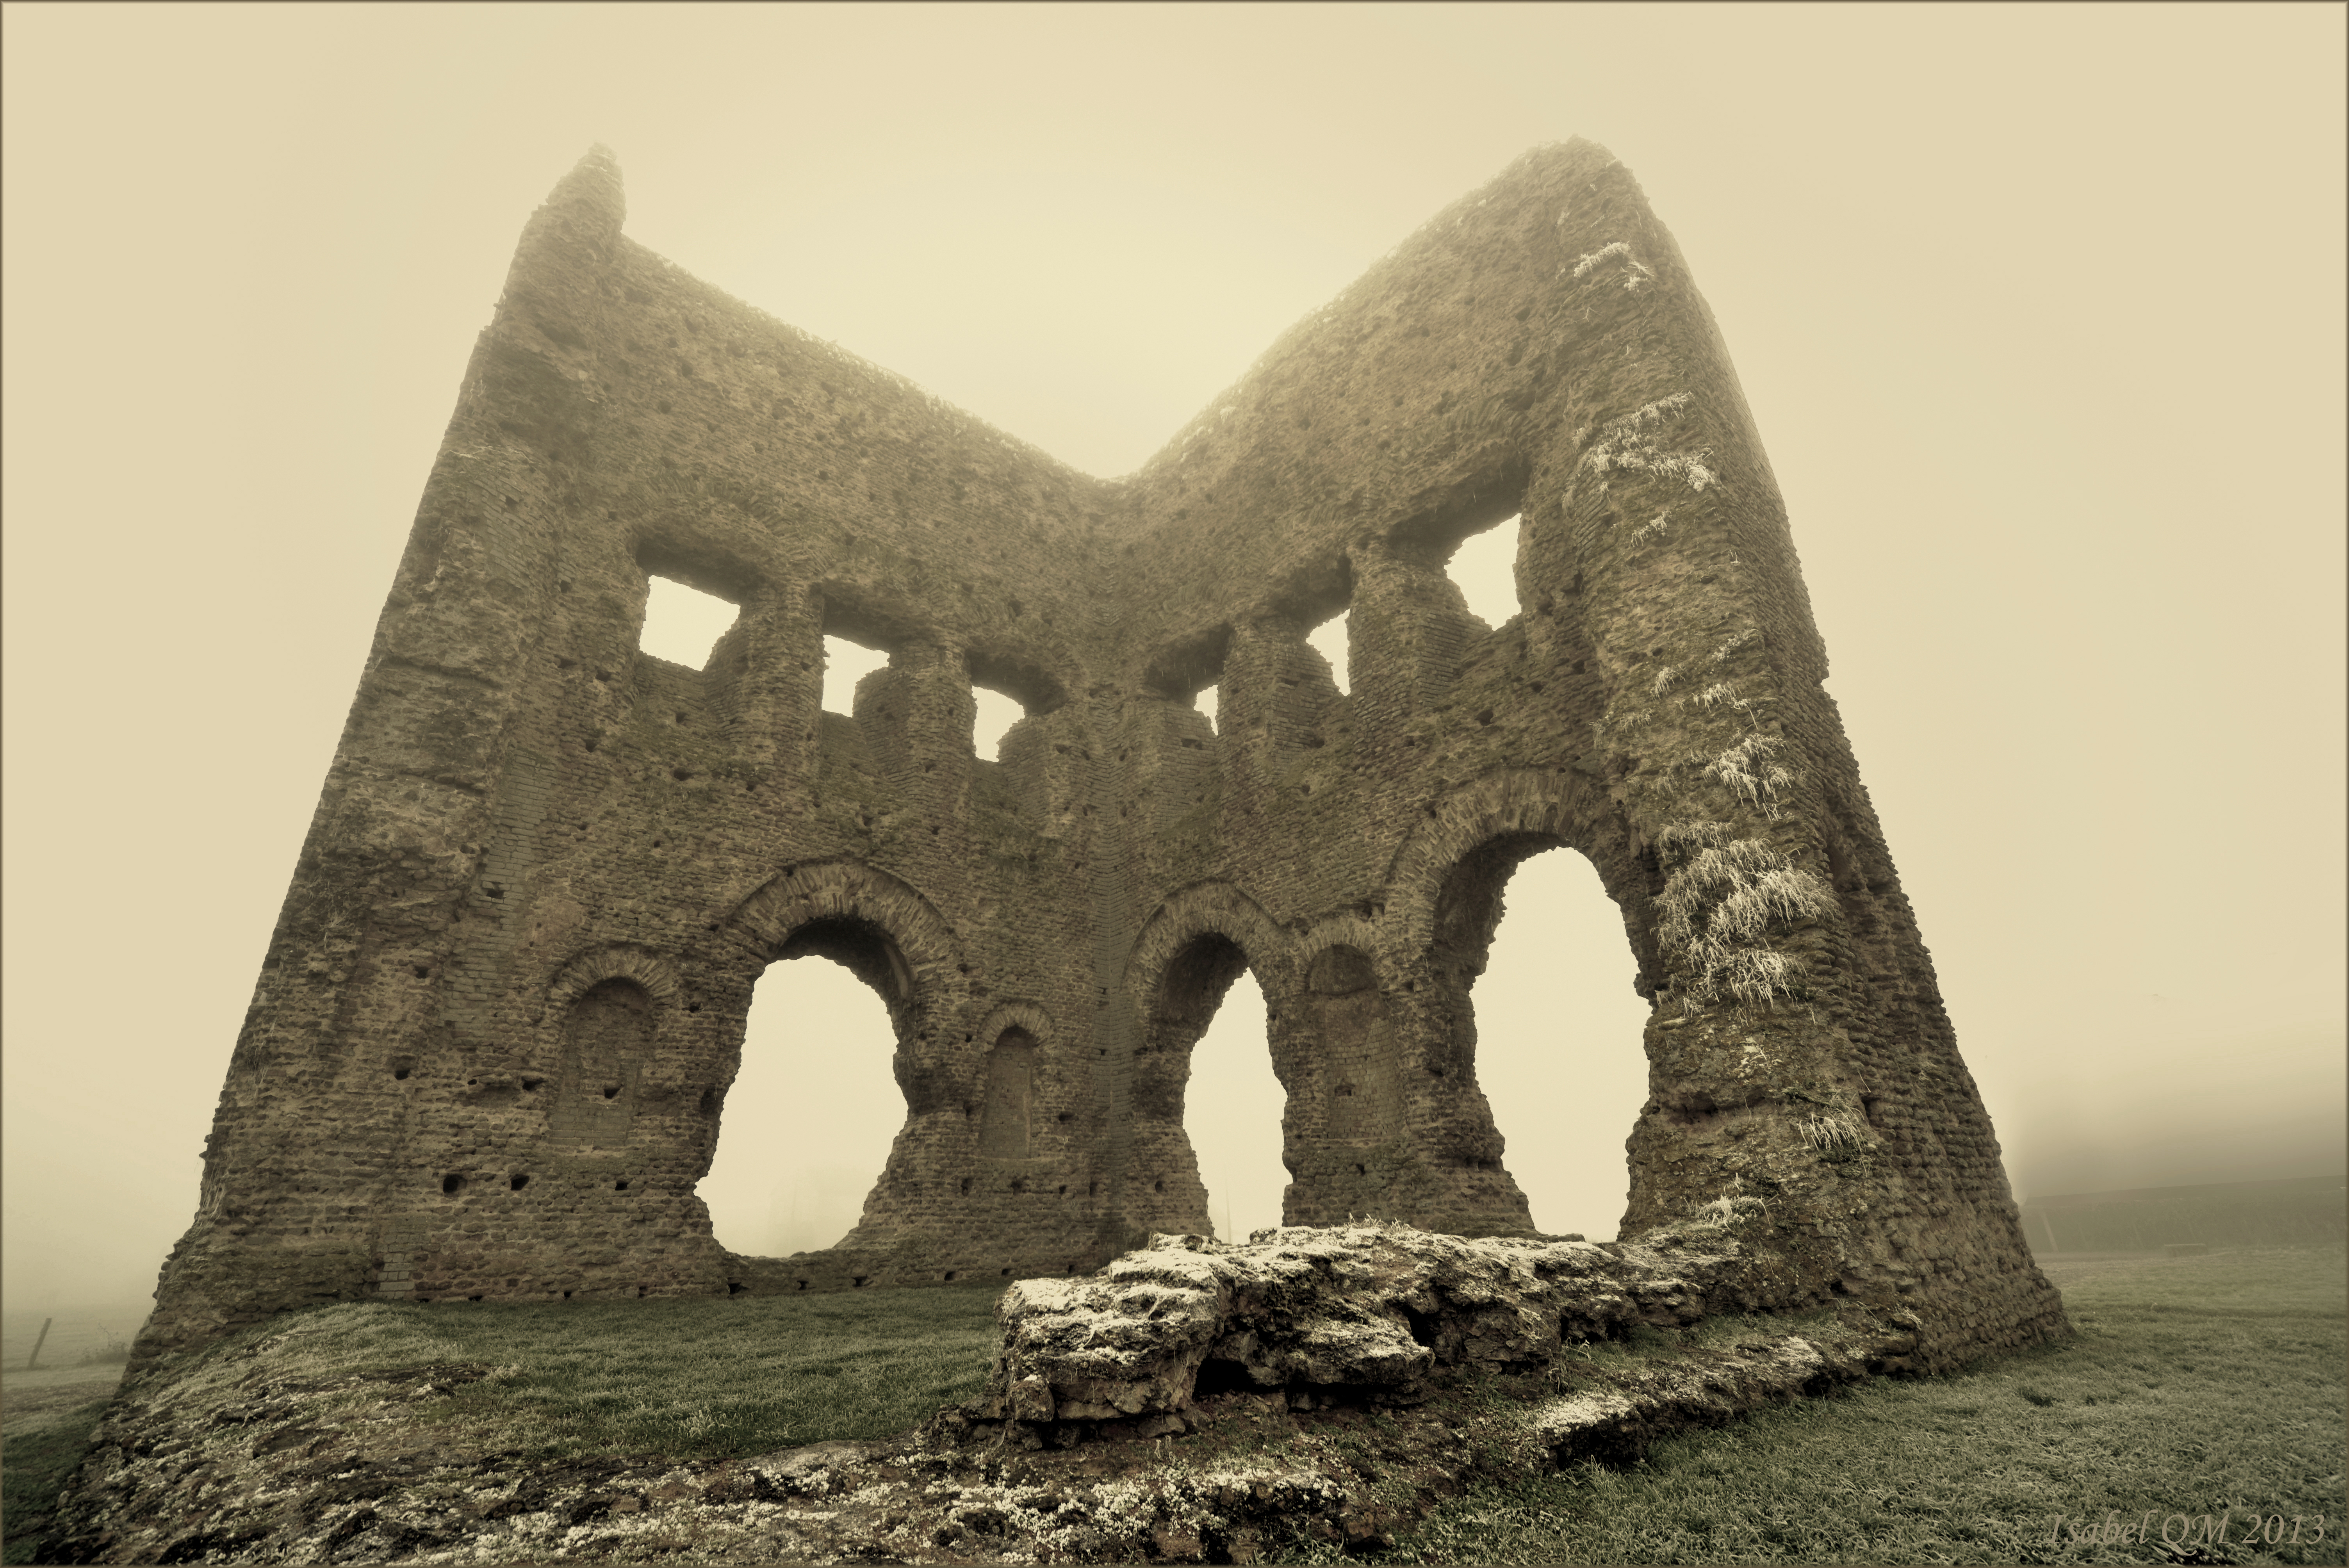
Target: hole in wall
{"x": 518, "y": 1180}
{"x": 452, "y": 1183}
{"x": 1232, "y": 1108}
{"x": 682, "y": 624}
{"x": 996, "y": 715}
{"x": 400, "y": 1073}
{"x": 1484, "y": 569}
{"x": 1557, "y": 1031}
{"x": 1329, "y": 639}
{"x": 845, "y": 664}
{"x": 621, "y": 1185}
{"x": 817, "y": 1035}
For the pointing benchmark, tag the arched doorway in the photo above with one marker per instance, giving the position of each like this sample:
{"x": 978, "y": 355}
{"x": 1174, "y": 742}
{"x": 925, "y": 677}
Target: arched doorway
{"x": 1232, "y": 1109}
{"x": 1559, "y": 1053}
{"x": 811, "y": 1125}
{"x": 808, "y": 1122}
{"x": 1199, "y": 974}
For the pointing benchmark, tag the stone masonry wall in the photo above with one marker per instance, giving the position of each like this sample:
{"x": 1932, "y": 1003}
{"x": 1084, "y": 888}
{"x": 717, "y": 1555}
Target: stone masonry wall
{"x": 490, "y": 1049}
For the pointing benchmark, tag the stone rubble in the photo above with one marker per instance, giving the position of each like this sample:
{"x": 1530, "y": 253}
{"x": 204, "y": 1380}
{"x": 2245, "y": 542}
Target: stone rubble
{"x": 1195, "y": 1401}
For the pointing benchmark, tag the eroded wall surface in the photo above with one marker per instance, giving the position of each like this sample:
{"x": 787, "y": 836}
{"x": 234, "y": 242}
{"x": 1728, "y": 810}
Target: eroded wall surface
{"x": 491, "y": 1046}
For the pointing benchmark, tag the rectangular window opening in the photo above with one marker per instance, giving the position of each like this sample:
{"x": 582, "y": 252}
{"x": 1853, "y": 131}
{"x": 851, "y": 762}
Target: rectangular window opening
{"x": 845, "y": 664}
{"x": 1329, "y": 639}
{"x": 996, "y": 715}
{"x": 681, "y": 624}
{"x": 1484, "y": 567}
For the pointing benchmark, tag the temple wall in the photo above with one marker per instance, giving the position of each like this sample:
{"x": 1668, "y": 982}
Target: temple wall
{"x": 491, "y": 1049}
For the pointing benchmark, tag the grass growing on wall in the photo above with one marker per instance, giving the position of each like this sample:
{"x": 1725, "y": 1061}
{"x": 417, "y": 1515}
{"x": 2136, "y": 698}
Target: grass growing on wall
{"x": 2194, "y": 1386}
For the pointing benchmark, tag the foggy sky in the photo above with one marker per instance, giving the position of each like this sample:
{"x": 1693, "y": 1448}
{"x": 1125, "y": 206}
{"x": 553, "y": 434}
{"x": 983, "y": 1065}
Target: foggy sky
{"x": 2039, "y": 312}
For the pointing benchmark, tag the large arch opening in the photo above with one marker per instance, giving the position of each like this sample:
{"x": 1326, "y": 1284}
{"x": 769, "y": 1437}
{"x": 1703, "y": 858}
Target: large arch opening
{"x": 808, "y": 1123}
{"x": 1232, "y": 1109}
{"x": 1207, "y": 1124}
{"x": 1556, "y": 1025}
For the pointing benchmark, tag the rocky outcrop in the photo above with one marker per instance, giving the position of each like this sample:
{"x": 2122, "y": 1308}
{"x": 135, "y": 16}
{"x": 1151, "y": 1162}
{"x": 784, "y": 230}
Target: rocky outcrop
{"x": 1193, "y": 1401}
{"x": 1363, "y": 1313}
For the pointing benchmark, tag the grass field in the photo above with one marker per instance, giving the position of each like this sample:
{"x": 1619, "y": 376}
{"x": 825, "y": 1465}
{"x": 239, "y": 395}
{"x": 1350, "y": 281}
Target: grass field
{"x": 2196, "y": 1386}
{"x": 699, "y": 1379}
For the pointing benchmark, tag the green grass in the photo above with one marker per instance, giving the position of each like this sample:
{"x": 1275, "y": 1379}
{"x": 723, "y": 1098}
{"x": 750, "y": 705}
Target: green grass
{"x": 701, "y": 1380}
{"x": 694, "y": 1379}
{"x": 33, "y": 1465}
{"x": 2194, "y": 1386}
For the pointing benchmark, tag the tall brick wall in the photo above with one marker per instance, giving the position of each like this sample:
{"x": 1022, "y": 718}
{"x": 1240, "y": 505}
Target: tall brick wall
{"x": 491, "y": 1046}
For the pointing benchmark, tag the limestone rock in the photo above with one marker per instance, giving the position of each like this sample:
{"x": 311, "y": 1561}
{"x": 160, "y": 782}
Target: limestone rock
{"x": 1367, "y": 1311}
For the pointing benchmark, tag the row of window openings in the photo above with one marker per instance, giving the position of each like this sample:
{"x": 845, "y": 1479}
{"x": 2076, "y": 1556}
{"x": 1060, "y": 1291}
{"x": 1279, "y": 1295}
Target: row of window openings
{"x": 682, "y": 625}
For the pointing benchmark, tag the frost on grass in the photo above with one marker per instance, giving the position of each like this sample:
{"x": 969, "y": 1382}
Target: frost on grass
{"x": 1634, "y": 274}
{"x": 1749, "y": 773}
{"x": 1720, "y": 692}
{"x": 1630, "y": 446}
{"x": 1652, "y": 527}
{"x": 1731, "y": 645}
{"x": 1722, "y": 899}
{"x": 1828, "y": 1133}
{"x": 1729, "y": 1208}
{"x": 1663, "y": 678}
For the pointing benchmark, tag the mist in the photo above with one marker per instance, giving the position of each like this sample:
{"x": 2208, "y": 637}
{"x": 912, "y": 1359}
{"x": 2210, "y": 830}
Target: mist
{"x": 2050, "y": 373}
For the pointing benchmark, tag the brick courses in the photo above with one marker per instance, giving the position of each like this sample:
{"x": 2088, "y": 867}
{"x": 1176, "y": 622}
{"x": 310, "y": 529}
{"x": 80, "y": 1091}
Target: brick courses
{"x": 489, "y": 1048}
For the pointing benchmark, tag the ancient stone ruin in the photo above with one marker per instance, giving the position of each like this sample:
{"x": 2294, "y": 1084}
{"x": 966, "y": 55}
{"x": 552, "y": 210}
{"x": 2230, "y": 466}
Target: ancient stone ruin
{"x": 489, "y": 1054}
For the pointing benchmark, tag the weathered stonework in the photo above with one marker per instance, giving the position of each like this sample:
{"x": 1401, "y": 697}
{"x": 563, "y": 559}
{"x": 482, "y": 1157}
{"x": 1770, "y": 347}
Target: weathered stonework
{"x": 1198, "y": 1400}
{"x": 490, "y": 1049}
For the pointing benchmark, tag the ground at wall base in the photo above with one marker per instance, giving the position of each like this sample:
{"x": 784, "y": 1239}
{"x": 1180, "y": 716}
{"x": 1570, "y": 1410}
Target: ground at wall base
{"x": 293, "y": 1442}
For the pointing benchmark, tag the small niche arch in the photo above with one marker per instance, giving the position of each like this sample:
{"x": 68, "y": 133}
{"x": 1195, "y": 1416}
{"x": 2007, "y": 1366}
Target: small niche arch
{"x": 607, "y": 1037}
{"x": 1360, "y": 1089}
{"x": 604, "y": 1007}
{"x": 1008, "y": 1097}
